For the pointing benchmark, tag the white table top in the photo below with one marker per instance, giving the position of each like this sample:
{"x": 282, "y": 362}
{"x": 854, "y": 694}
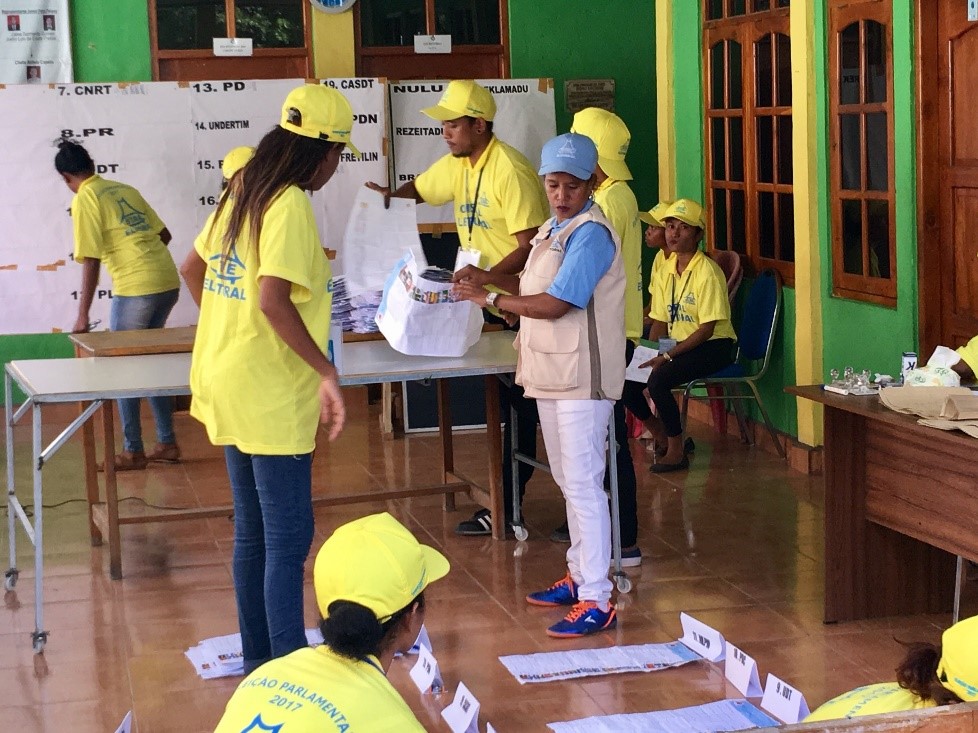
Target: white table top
{"x": 370, "y": 362}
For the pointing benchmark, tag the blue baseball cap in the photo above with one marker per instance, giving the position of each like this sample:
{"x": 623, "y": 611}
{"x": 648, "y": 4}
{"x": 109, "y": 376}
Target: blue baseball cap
{"x": 569, "y": 153}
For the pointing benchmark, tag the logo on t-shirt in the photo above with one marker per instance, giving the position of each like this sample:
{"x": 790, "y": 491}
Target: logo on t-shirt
{"x": 223, "y": 275}
{"x": 258, "y": 724}
{"x": 133, "y": 218}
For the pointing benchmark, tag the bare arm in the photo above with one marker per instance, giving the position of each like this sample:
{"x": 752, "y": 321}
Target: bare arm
{"x": 193, "y": 271}
{"x": 542, "y": 306}
{"x": 407, "y": 191}
{"x": 278, "y": 308}
{"x": 504, "y": 275}
{"x": 700, "y": 336}
{"x": 90, "y": 270}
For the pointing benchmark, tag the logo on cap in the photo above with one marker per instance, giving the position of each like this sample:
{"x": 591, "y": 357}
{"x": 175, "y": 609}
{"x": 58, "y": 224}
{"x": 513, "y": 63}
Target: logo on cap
{"x": 295, "y": 117}
{"x": 567, "y": 150}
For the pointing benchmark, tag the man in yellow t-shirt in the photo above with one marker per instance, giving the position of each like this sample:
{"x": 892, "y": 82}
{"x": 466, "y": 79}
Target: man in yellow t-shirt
{"x": 690, "y": 306}
{"x": 499, "y": 204}
{"x": 615, "y": 198}
{"x": 114, "y": 225}
{"x": 370, "y": 578}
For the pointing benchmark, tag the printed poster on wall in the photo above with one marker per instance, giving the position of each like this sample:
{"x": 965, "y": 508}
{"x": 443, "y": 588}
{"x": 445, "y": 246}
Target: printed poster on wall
{"x": 167, "y": 140}
{"x": 525, "y": 118}
{"x": 35, "y": 42}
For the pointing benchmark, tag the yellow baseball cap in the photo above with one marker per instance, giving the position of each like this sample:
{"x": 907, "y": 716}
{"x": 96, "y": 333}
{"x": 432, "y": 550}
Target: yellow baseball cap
{"x": 610, "y": 135}
{"x": 463, "y": 98}
{"x": 958, "y": 668}
{"x": 376, "y": 562}
{"x": 685, "y": 210}
{"x": 319, "y": 111}
{"x": 235, "y": 160}
{"x": 653, "y": 217}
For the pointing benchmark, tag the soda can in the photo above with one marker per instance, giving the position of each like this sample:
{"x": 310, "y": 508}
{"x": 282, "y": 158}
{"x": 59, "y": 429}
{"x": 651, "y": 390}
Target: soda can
{"x": 909, "y": 362}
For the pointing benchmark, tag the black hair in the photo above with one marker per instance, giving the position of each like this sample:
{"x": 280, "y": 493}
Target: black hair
{"x": 72, "y": 158}
{"x": 282, "y": 159}
{"x": 918, "y": 674}
{"x": 353, "y": 631}
{"x": 473, "y": 119}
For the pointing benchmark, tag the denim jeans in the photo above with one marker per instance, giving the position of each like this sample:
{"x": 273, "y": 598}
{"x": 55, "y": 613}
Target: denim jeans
{"x": 131, "y": 312}
{"x": 273, "y": 526}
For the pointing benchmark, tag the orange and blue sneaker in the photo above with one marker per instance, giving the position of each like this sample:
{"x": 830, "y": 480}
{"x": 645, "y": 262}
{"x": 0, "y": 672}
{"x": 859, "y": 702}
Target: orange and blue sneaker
{"x": 561, "y": 593}
{"x": 584, "y": 618}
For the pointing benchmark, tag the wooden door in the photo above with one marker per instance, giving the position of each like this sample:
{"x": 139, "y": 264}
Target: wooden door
{"x": 948, "y": 173}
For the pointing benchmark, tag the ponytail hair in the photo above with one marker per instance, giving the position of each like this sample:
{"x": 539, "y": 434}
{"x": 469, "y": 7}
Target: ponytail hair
{"x": 353, "y": 631}
{"x": 73, "y": 159}
{"x": 918, "y": 674}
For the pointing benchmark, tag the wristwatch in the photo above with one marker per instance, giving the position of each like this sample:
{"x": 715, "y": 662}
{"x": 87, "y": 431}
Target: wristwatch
{"x": 667, "y": 355}
{"x": 491, "y": 299}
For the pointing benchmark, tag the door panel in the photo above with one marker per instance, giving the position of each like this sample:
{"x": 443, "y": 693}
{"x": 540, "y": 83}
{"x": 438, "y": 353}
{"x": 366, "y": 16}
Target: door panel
{"x": 958, "y": 173}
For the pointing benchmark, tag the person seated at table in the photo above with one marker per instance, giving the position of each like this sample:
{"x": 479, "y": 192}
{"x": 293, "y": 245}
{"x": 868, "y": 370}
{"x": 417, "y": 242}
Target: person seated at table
{"x": 113, "y": 224}
{"x": 929, "y": 676}
{"x": 690, "y": 306}
{"x": 571, "y": 305}
{"x": 370, "y": 578}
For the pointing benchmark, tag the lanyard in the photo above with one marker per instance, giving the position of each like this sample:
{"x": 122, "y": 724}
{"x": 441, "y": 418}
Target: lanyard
{"x": 475, "y": 199}
{"x": 376, "y": 666}
{"x": 674, "y": 307}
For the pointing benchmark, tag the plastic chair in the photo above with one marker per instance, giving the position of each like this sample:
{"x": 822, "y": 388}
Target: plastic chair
{"x": 755, "y": 340}
{"x": 733, "y": 272}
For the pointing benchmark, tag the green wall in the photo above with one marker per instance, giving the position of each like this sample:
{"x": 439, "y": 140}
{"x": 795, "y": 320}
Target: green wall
{"x": 690, "y": 182}
{"x": 614, "y": 39}
{"x": 858, "y": 334}
{"x": 110, "y": 40}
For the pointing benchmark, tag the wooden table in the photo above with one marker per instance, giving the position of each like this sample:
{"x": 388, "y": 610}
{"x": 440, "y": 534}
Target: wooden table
{"x": 901, "y": 500}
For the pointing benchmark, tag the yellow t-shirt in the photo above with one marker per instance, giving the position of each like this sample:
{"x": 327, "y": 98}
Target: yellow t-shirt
{"x": 969, "y": 354}
{"x": 660, "y": 259}
{"x": 621, "y": 209}
{"x": 885, "y": 697}
{"x": 249, "y": 389}
{"x": 510, "y": 198}
{"x": 698, "y": 296}
{"x": 114, "y": 224}
{"x": 318, "y": 691}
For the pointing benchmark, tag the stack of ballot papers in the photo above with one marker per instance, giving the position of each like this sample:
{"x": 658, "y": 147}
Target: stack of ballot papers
{"x": 222, "y": 656}
{"x": 354, "y": 313}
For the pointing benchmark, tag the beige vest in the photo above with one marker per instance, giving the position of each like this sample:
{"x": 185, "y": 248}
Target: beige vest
{"x": 581, "y": 355}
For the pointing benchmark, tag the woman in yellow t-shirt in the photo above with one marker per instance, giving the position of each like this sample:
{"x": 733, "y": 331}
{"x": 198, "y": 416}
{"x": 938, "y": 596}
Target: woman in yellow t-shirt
{"x": 929, "y": 675}
{"x": 689, "y": 306}
{"x": 113, "y": 225}
{"x": 264, "y": 287}
{"x": 370, "y": 578}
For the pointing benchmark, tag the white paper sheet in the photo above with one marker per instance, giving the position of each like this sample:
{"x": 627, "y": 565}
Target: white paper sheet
{"x": 552, "y": 666}
{"x": 376, "y": 238}
{"x": 642, "y": 354}
{"x": 726, "y": 715}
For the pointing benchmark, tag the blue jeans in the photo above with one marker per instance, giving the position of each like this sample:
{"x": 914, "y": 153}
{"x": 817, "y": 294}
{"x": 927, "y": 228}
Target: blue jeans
{"x": 131, "y": 312}
{"x": 273, "y": 526}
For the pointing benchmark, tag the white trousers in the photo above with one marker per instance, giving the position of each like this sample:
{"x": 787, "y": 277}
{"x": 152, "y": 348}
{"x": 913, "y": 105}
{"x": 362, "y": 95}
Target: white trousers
{"x": 575, "y": 433}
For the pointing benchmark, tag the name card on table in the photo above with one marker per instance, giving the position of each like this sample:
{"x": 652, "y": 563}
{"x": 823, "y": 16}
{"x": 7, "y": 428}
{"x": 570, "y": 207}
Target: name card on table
{"x": 783, "y": 701}
{"x": 425, "y": 673}
{"x": 462, "y": 715}
{"x": 741, "y": 670}
{"x": 126, "y": 725}
{"x": 423, "y": 640}
{"x": 702, "y": 639}
{"x": 489, "y": 728}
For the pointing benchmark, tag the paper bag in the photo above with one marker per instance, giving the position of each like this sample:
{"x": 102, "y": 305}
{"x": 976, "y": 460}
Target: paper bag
{"x": 421, "y": 317}
{"x": 960, "y": 407}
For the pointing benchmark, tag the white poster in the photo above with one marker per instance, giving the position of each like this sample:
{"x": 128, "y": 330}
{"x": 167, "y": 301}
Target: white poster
{"x": 525, "y": 118}
{"x": 35, "y": 42}
{"x": 166, "y": 139}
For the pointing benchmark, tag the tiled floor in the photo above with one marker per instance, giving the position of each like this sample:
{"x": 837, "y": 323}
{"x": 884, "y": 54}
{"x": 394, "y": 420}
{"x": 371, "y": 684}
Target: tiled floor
{"x": 737, "y": 540}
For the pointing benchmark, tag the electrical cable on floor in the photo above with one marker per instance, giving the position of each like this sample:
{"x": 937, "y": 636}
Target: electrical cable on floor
{"x": 161, "y": 507}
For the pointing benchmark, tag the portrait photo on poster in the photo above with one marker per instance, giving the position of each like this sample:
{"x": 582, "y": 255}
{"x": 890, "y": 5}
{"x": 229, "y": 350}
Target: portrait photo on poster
{"x": 49, "y": 23}
{"x": 13, "y": 23}
{"x": 33, "y": 73}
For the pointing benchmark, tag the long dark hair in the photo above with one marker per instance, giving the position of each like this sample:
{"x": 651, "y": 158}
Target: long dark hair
{"x": 353, "y": 631}
{"x": 918, "y": 674}
{"x": 73, "y": 159}
{"x": 282, "y": 159}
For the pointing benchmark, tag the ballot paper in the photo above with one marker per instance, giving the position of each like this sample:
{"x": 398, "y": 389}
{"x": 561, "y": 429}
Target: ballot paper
{"x": 221, "y": 656}
{"x": 376, "y": 238}
{"x": 553, "y": 666}
{"x": 642, "y": 354}
{"x": 725, "y": 715}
